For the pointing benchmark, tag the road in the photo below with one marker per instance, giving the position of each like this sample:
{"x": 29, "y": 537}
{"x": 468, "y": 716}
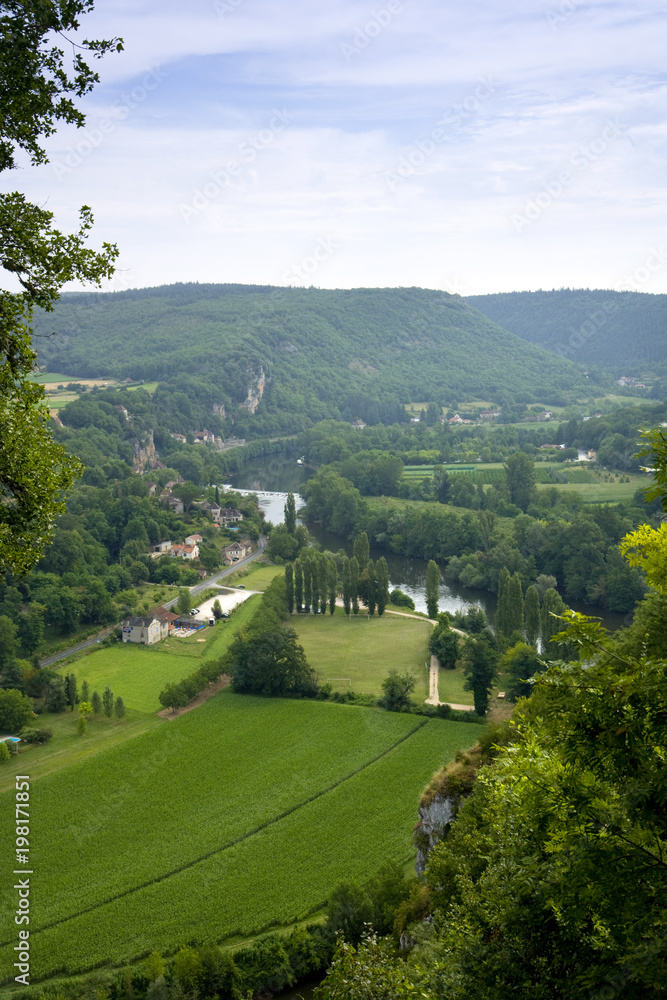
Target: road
{"x": 197, "y": 589}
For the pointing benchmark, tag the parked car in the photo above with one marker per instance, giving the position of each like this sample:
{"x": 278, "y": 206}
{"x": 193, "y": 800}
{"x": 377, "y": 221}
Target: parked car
{"x": 241, "y": 586}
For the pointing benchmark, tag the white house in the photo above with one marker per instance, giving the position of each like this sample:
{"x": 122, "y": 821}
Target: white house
{"x": 188, "y": 552}
{"x": 147, "y": 630}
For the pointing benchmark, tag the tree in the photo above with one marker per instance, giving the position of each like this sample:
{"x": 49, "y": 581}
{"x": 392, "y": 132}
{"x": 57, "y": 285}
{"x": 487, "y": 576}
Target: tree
{"x": 187, "y": 492}
{"x": 322, "y": 582}
{"x": 70, "y": 690}
{"x": 298, "y": 585}
{"x": 85, "y": 692}
{"x": 520, "y": 662}
{"x": 531, "y": 612}
{"x": 85, "y": 708}
{"x": 184, "y": 601}
{"x": 119, "y": 708}
{"x": 361, "y": 550}
{"x": 332, "y": 583}
{"x": 520, "y": 475}
{"x": 346, "y": 585}
{"x": 217, "y": 609}
{"x": 96, "y": 702}
{"x": 15, "y": 710}
{"x": 107, "y": 702}
{"x": 553, "y": 607}
{"x": 307, "y": 585}
{"x": 272, "y": 663}
{"x": 172, "y": 696}
{"x": 432, "y": 588}
{"x": 8, "y": 641}
{"x": 397, "y": 689}
{"x": 290, "y": 514}
{"x": 354, "y": 584}
{"x": 516, "y": 603}
{"x": 36, "y": 86}
{"x": 56, "y": 697}
{"x": 289, "y": 587}
{"x": 382, "y": 584}
{"x": 5, "y": 755}
{"x": 31, "y": 627}
{"x": 481, "y": 669}
{"x": 445, "y": 645}
{"x": 503, "y": 617}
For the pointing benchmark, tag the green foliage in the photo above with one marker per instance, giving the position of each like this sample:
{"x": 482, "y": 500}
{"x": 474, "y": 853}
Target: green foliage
{"x": 480, "y": 664}
{"x": 396, "y": 691}
{"x": 520, "y": 662}
{"x": 520, "y": 475}
{"x": 107, "y": 702}
{"x": 15, "y": 710}
{"x": 531, "y": 612}
{"x": 382, "y": 584}
{"x": 445, "y": 645}
{"x": 184, "y": 602}
{"x": 289, "y": 587}
{"x": 271, "y": 664}
{"x": 119, "y": 708}
{"x": 432, "y": 588}
{"x": 369, "y": 972}
{"x": 361, "y": 550}
{"x": 290, "y": 514}
{"x": 5, "y": 755}
{"x": 96, "y": 703}
{"x": 401, "y": 600}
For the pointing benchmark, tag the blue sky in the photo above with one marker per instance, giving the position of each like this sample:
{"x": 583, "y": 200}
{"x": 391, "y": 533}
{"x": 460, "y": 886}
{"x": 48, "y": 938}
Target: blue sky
{"x": 471, "y": 147}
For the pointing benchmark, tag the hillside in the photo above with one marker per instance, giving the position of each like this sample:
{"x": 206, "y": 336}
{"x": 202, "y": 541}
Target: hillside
{"x": 310, "y": 353}
{"x": 625, "y": 332}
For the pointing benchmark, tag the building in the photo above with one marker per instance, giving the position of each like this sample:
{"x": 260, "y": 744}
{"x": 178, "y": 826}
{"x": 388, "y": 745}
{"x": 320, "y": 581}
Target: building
{"x": 237, "y": 550}
{"x": 229, "y": 515}
{"x": 194, "y": 539}
{"x": 204, "y": 437}
{"x": 146, "y": 630}
{"x": 178, "y": 437}
{"x": 188, "y": 552}
{"x": 166, "y": 616}
{"x": 488, "y": 414}
{"x": 161, "y": 549}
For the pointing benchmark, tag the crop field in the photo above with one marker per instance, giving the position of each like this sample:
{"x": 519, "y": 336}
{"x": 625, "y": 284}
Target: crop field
{"x": 138, "y": 673}
{"x": 262, "y": 807}
{"x": 603, "y": 492}
{"x": 357, "y": 652}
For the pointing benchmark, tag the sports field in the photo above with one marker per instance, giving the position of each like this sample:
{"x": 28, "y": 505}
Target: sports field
{"x": 357, "y": 652}
{"x": 235, "y": 817}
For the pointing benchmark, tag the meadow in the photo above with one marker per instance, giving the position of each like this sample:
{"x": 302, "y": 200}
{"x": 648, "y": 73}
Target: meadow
{"x": 357, "y": 652}
{"x": 257, "y": 578}
{"x": 138, "y": 673}
{"x": 262, "y": 807}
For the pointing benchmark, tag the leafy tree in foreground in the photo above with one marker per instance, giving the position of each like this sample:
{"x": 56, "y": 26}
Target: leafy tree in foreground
{"x": 37, "y": 89}
{"x": 520, "y": 662}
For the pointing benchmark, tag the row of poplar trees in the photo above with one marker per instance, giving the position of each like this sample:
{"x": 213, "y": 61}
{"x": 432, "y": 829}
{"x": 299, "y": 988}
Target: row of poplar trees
{"x": 315, "y": 579}
{"x": 518, "y": 615}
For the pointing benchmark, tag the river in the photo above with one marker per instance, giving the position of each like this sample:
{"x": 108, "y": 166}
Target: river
{"x": 273, "y": 476}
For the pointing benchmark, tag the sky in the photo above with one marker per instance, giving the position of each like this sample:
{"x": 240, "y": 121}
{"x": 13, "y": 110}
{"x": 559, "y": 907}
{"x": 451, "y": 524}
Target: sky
{"x": 471, "y": 147}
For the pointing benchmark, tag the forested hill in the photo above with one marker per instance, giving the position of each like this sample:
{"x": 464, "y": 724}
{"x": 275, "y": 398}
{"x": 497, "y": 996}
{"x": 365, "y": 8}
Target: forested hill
{"x": 324, "y": 353}
{"x": 625, "y": 332}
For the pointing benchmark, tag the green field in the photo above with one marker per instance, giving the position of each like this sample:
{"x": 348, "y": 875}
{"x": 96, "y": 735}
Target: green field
{"x": 138, "y": 673}
{"x": 262, "y": 807}
{"x": 450, "y": 687}
{"x": 357, "y": 652}
{"x": 254, "y": 579}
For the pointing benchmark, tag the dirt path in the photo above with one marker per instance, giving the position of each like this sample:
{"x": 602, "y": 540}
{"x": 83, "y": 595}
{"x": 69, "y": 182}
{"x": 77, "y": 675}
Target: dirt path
{"x": 223, "y": 682}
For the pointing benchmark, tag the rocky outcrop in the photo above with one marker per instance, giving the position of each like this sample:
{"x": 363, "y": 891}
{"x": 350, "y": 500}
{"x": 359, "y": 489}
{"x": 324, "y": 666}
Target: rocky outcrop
{"x": 255, "y": 392}
{"x": 145, "y": 455}
{"x": 435, "y": 818}
{"x": 219, "y": 410}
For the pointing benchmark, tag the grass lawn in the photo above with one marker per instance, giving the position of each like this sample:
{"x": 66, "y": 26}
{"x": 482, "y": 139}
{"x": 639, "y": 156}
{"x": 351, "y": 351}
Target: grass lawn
{"x": 254, "y": 579}
{"x": 450, "y": 687}
{"x": 601, "y": 492}
{"x": 358, "y": 652}
{"x": 138, "y": 673}
{"x": 66, "y": 747}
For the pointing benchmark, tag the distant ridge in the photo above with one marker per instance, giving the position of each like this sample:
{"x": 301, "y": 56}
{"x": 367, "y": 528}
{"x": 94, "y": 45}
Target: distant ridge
{"x": 623, "y": 332}
{"x": 315, "y": 353}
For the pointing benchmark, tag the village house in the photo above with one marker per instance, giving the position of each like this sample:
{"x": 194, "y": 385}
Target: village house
{"x": 188, "y": 552}
{"x": 488, "y": 414}
{"x": 194, "y": 539}
{"x": 178, "y": 437}
{"x": 204, "y": 437}
{"x": 237, "y": 550}
{"x": 161, "y": 549}
{"x": 358, "y": 425}
{"x": 166, "y": 616}
{"x": 146, "y": 630}
{"x": 229, "y": 515}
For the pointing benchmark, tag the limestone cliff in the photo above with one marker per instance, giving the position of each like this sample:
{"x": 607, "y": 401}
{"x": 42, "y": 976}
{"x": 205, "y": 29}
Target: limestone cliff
{"x": 145, "y": 455}
{"x": 255, "y": 392}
